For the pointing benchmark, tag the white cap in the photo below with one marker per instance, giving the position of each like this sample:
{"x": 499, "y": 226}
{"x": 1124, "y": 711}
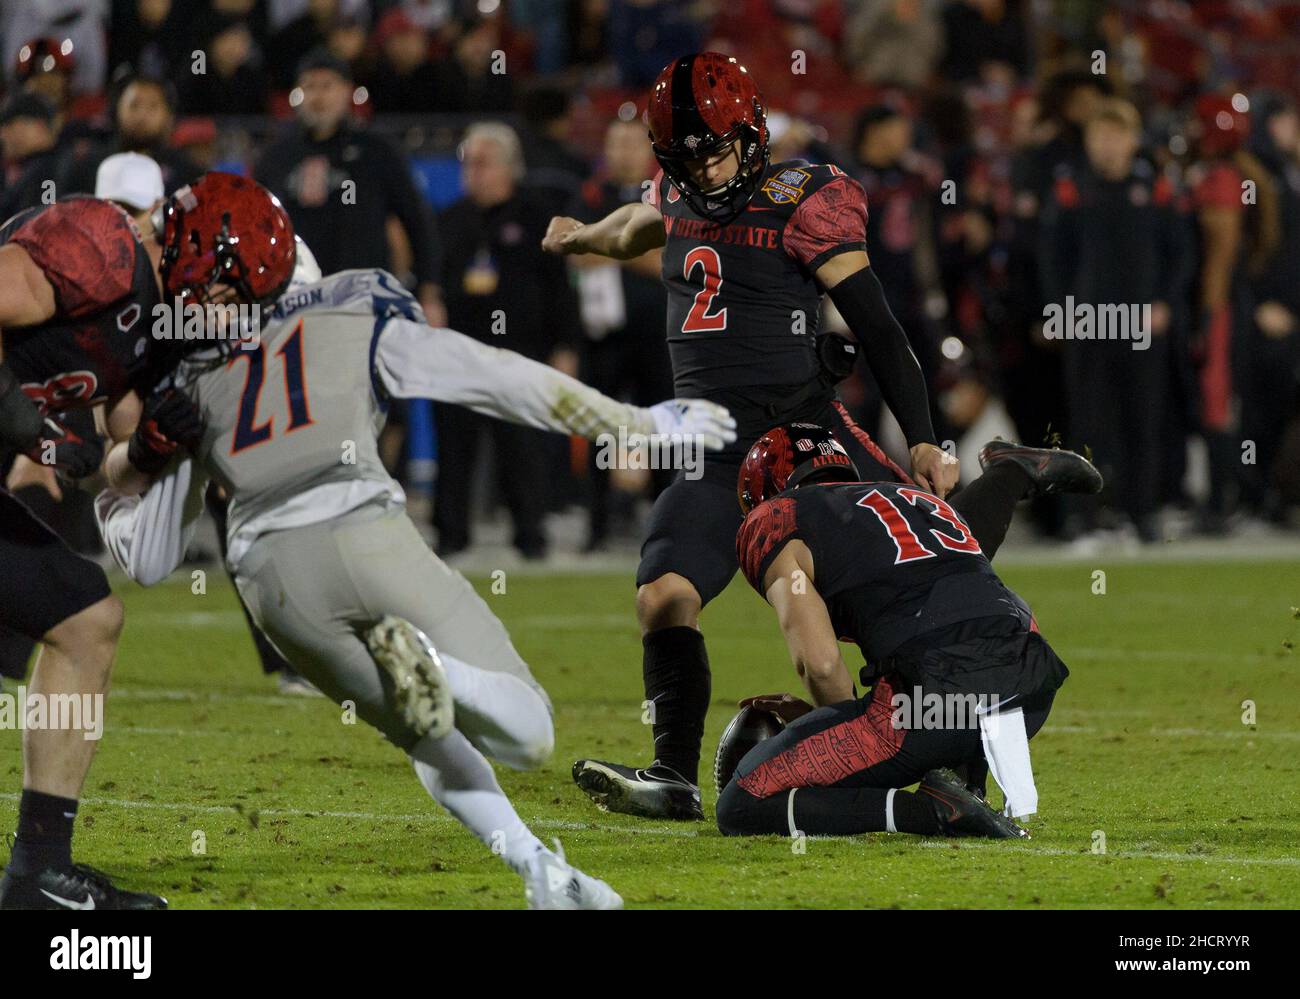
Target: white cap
{"x": 131, "y": 178}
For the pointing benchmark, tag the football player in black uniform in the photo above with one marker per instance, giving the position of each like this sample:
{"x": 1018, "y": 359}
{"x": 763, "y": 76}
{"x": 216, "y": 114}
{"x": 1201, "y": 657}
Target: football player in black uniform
{"x": 78, "y": 291}
{"x": 898, "y": 571}
{"x": 748, "y": 249}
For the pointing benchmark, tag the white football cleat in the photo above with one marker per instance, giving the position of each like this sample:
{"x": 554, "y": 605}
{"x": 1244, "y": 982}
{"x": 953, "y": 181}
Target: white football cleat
{"x": 405, "y": 653}
{"x": 553, "y": 883}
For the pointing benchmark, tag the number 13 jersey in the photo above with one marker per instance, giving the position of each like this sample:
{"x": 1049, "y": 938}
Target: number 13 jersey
{"x": 892, "y": 562}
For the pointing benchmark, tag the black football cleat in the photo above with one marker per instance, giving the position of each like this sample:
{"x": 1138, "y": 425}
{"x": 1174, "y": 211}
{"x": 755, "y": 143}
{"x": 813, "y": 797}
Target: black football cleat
{"x": 963, "y": 813}
{"x": 77, "y": 887}
{"x": 1052, "y": 470}
{"x": 657, "y": 792}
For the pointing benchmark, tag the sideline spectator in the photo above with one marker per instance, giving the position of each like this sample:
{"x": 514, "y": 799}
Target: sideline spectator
{"x": 341, "y": 183}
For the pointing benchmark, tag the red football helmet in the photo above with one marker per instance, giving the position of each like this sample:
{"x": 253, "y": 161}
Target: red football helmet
{"x": 790, "y": 455}
{"x": 225, "y": 229}
{"x": 701, "y": 103}
{"x": 44, "y": 55}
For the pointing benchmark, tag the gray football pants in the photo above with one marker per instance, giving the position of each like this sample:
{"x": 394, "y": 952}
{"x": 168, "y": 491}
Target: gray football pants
{"x": 316, "y": 590}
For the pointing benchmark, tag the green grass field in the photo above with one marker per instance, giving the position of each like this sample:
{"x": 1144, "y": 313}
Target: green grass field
{"x": 1146, "y": 746}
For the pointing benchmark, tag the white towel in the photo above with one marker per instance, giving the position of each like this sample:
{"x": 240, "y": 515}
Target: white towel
{"x": 1006, "y": 747}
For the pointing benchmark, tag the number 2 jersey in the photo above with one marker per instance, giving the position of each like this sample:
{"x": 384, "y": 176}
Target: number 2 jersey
{"x": 895, "y": 564}
{"x": 743, "y": 304}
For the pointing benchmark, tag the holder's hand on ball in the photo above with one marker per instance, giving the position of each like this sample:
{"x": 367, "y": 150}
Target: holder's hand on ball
{"x": 787, "y": 707}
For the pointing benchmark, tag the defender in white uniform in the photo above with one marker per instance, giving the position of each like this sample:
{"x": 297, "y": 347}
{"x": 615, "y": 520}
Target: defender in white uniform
{"x": 333, "y": 570}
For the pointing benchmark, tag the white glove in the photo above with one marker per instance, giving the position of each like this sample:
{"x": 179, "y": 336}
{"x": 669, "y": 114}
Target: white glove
{"x": 691, "y": 418}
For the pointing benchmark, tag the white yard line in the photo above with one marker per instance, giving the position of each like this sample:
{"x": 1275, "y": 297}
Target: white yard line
{"x": 217, "y": 696}
{"x": 1165, "y": 655}
{"x": 1172, "y": 733}
{"x": 675, "y": 832}
{"x": 1083, "y": 854}
{"x": 432, "y": 818}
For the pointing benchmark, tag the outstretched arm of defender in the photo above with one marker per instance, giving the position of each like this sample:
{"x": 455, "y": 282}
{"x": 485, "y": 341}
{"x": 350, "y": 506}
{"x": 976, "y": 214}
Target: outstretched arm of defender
{"x": 806, "y": 624}
{"x": 415, "y": 361}
{"x": 623, "y": 234}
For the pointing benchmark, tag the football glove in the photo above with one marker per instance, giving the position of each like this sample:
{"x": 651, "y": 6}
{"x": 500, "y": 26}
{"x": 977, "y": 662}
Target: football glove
{"x": 695, "y": 417}
{"x": 21, "y": 425}
{"x": 169, "y": 421}
{"x": 73, "y": 456}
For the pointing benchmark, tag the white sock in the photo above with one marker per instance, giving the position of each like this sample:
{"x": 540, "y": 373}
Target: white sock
{"x": 460, "y": 779}
{"x": 503, "y": 716}
{"x": 1006, "y": 748}
{"x": 889, "y": 811}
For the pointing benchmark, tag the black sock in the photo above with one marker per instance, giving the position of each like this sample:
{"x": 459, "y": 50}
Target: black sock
{"x": 914, "y": 813}
{"x": 677, "y": 680}
{"x": 975, "y": 774}
{"x": 44, "y": 836}
{"x": 825, "y": 811}
{"x": 989, "y": 502}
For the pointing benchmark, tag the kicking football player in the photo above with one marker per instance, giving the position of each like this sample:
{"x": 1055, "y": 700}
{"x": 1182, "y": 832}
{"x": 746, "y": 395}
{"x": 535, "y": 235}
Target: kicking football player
{"x": 961, "y": 674}
{"x": 748, "y": 249}
{"x": 332, "y": 569}
{"x": 78, "y": 287}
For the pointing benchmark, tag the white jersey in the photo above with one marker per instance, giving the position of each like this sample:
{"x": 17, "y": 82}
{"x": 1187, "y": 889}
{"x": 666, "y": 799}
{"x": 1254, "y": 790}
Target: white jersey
{"x": 291, "y": 425}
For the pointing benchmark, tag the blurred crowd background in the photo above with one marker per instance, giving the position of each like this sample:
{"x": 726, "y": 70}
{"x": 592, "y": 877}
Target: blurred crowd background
{"x": 1013, "y": 154}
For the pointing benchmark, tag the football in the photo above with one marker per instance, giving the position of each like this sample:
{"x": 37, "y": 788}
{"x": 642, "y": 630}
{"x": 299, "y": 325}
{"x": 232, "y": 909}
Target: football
{"x": 750, "y": 727}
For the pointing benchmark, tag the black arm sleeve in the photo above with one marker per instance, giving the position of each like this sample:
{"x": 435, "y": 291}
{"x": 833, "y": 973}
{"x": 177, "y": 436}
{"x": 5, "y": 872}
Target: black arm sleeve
{"x": 861, "y": 301}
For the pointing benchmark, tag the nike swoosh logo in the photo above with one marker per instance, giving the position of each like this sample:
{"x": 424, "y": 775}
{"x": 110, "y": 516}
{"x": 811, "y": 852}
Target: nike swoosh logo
{"x": 68, "y": 903}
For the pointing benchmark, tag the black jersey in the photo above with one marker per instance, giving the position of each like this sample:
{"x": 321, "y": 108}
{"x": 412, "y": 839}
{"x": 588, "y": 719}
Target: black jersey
{"x": 891, "y": 561}
{"x": 743, "y": 304}
{"x": 95, "y": 346}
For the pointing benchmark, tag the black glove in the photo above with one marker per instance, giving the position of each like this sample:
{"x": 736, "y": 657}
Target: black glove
{"x": 72, "y": 455}
{"x": 169, "y": 421}
{"x": 837, "y": 355}
{"x": 20, "y": 418}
